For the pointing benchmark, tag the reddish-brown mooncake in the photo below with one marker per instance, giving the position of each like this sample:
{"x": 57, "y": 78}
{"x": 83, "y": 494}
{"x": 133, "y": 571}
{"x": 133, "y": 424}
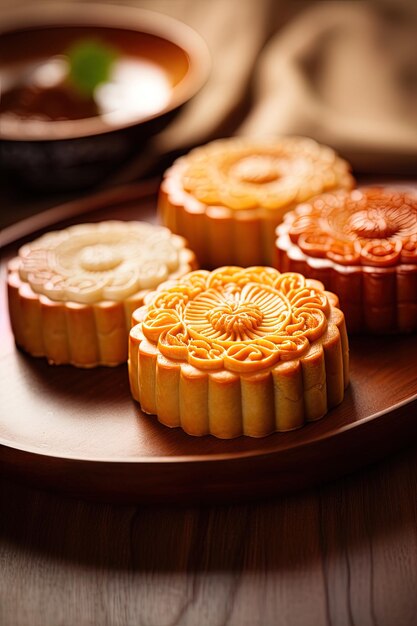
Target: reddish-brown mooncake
{"x": 362, "y": 245}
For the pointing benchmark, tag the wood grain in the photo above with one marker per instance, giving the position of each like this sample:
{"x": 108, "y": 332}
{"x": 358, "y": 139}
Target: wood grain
{"x": 343, "y": 554}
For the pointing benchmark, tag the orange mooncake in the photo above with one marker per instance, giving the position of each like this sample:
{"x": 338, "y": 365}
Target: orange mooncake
{"x": 238, "y": 352}
{"x": 227, "y": 197}
{"x": 72, "y": 292}
{"x": 361, "y": 244}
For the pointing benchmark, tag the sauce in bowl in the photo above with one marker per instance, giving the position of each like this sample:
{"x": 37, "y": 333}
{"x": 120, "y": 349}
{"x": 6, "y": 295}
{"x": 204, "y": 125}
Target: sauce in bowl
{"x": 36, "y": 69}
{"x": 42, "y": 91}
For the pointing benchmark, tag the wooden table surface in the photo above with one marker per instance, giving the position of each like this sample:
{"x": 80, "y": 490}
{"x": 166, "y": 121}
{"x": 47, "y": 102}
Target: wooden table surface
{"x": 343, "y": 553}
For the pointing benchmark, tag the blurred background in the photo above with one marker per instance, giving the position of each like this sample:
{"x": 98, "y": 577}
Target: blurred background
{"x": 342, "y": 72}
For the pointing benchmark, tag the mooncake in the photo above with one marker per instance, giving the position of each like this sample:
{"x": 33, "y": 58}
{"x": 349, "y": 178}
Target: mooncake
{"x": 238, "y": 352}
{"x": 361, "y": 244}
{"x": 72, "y": 292}
{"x": 227, "y": 197}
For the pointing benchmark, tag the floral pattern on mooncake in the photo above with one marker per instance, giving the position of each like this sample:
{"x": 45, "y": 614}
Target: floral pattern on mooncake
{"x": 228, "y": 331}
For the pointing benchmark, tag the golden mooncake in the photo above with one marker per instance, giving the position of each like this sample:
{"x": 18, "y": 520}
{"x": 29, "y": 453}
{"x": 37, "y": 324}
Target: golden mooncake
{"x": 227, "y": 197}
{"x": 361, "y": 244}
{"x": 238, "y": 352}
{"x": 72, "y": 292}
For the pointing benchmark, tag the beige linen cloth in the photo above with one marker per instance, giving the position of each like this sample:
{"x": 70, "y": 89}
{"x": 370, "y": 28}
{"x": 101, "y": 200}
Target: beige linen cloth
{"x": 344, "y": 73}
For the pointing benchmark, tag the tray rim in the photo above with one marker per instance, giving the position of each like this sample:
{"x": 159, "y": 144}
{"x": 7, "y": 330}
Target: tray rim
{"x": 203, "y": 458}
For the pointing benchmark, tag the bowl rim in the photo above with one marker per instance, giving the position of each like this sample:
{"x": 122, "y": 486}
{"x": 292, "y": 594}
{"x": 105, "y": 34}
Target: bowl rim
{"x": 123, "y": 17}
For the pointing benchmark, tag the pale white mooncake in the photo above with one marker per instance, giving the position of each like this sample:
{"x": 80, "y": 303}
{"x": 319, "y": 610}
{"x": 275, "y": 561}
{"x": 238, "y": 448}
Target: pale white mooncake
{"x": 72, "y": 292}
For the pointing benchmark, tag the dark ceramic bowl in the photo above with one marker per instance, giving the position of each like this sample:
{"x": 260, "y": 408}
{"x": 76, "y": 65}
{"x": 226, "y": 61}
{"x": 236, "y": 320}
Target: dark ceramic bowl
{"x": 77, "y": 153}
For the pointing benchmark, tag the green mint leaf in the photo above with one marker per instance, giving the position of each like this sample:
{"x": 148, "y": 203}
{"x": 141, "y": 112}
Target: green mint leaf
{"x": 90, "y": 64}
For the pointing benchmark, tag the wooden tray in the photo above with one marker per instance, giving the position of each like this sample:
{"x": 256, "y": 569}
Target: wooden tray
{"x": 80, "y": 432}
